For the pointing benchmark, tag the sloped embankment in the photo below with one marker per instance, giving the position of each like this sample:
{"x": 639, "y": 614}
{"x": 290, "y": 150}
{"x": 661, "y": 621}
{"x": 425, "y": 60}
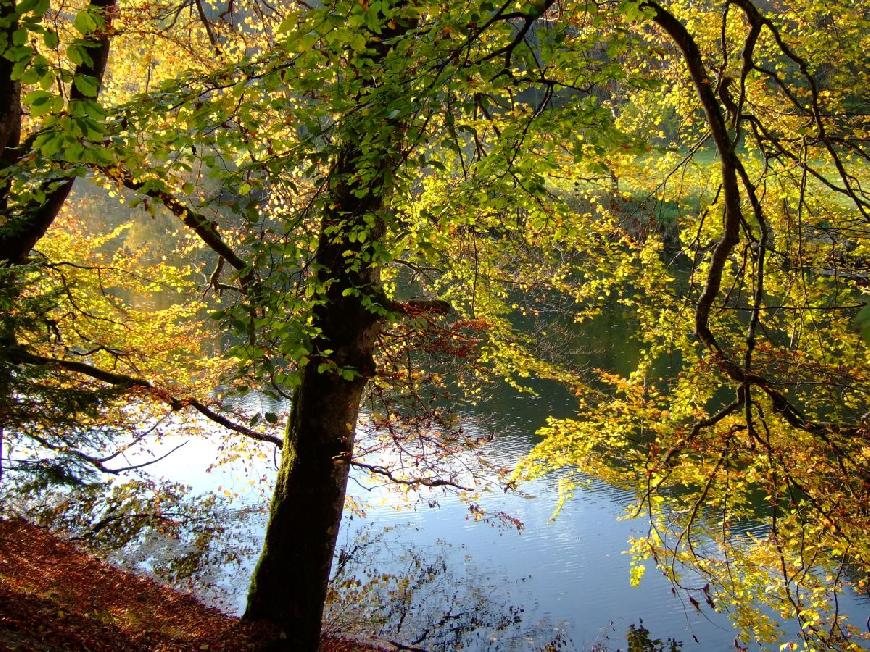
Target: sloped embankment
{"x": 54, "y": 596}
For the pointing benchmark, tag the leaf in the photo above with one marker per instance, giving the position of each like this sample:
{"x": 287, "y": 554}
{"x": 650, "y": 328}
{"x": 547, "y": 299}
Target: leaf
{"x": 78, "y": 54}
{"x": 36, "y": 7}
{"x": 84, "y": 22}
{"x": 51, "y": 39}
{"x": 862, "y": 319}
{"x": 51, "y": 145}
{"x": 87, "y": 85}
{"x": 39, "y": 102}
{"x": 26, "y": 5}
{"x": 47, "y": 80}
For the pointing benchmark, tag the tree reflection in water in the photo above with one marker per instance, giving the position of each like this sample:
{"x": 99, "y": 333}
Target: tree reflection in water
{"x": 434, "y": 604}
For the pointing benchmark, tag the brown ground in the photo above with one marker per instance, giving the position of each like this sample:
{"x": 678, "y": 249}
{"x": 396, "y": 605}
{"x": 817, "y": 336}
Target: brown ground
{"x": 54, "y": 596}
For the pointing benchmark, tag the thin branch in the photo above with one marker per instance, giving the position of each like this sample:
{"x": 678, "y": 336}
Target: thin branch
{"x": 19, "y": 355}
{"x": 411, "y": 482}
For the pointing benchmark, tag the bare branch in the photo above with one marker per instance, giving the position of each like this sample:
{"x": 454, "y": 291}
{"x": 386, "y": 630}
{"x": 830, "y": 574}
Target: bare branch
{"x": 19, "y": 355}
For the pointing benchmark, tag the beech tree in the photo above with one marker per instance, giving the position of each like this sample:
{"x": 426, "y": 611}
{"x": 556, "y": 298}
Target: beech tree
{"x": 94, "y": 363}
{"x": 776, "y": 274}
{"x": 358, "y": 169}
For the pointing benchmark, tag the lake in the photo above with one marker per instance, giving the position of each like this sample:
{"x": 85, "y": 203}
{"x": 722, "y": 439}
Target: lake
{"x": 498, "y": 587}
{"x": 489, "y": 586}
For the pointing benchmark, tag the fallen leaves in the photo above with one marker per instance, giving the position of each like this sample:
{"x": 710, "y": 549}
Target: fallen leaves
{"x": 55, "y": 596}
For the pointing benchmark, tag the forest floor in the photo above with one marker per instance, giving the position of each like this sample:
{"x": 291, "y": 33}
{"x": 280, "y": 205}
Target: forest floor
{"x": 55, "y": 596}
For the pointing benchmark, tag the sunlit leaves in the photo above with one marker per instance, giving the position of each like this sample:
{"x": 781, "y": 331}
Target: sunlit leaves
{"x": 569, "y": 174}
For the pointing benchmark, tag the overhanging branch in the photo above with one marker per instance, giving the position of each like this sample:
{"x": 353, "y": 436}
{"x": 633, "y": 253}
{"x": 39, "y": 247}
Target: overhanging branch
{"x": 206, "y": 229}
{"x": 19, "y": 355}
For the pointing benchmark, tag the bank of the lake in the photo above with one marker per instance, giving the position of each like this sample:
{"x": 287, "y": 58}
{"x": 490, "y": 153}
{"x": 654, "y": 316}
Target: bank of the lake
{"x": 57, "y": 597}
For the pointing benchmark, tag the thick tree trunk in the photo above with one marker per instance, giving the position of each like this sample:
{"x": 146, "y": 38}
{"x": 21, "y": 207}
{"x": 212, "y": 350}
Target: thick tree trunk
{"x": 290, "y": 583}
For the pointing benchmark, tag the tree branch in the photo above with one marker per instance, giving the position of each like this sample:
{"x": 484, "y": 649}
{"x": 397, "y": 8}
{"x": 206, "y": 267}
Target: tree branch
{"x": 206, "y": 229}
{"x": 19, "y": 355}
{"x": 411, "y": 482}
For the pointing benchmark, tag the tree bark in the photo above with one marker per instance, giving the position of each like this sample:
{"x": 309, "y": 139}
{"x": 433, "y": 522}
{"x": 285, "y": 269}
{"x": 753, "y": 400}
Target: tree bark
{"x": 10, "y": 93}
{"x": 289, "y": 585}
{"x": 20, "y": 233}
{"x": 10, "y": 110}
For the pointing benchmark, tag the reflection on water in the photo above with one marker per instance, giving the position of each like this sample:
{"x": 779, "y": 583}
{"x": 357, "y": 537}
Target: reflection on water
{"x": 491, "y": 587}
{"x": 503, "y": 588}
{"x": 438, "y": 578}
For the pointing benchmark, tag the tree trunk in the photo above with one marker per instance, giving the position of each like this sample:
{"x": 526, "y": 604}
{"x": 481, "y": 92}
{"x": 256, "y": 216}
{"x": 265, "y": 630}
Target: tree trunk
{"x": 10, "y": 105}
{"x": 289, "y": 585}
{"x": 19, "y": 233}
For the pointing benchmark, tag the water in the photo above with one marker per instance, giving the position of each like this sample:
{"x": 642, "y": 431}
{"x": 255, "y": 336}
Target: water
{"x": 568, "y": 575}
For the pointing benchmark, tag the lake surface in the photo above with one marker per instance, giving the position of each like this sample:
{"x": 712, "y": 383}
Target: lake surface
{"x": 481, "y": 585}
{"x": 501, "y": 588}
{"x": 487, "y": 586}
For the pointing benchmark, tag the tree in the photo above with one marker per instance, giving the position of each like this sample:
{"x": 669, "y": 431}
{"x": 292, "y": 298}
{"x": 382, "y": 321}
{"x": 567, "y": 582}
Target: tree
{"x": 789, "y": 451}
{"x": 455, "y": 143}
{"x": 67, "y": 320}
{"x": 29, "y": 204}
{"x": 290, "y": 582}
{"x": 29, "y": 211}
{"x": 92, "y": 365}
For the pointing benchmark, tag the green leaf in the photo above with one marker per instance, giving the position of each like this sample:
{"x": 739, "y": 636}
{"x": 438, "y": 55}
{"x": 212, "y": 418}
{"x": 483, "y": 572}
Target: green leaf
{"x": 26, "y": 5}
{"x": 91, "y": 129}
{"x": 74, "y": 152}
{"x": 39, "y": 102}
{"x": 21, "y": 54}
{"x": 78, "y": 54}
{"x": 51, "y": 39}
{"x": 30, "y": 76}
{"x": 87, "y": 85}
{"x": 84, "y": 22}
{"x": 862, "y": 319}
{"x": 47, "y": 80}
{"x": 51, "y": 145}
{"x": 36, "y": 7}
{"x": 348, "y": 374}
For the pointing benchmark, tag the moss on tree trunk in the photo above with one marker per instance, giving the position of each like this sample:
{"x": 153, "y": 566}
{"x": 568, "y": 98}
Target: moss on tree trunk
{"x": 289, "y": 584}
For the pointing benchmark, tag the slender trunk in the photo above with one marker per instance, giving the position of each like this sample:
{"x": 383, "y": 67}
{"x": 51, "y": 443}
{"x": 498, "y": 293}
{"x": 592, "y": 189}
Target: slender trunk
{"x": 19, "y": 233}
{"x": 10, "y": 90}
{"x": 10, "y": 105}
{"x": 10, "y": 136}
